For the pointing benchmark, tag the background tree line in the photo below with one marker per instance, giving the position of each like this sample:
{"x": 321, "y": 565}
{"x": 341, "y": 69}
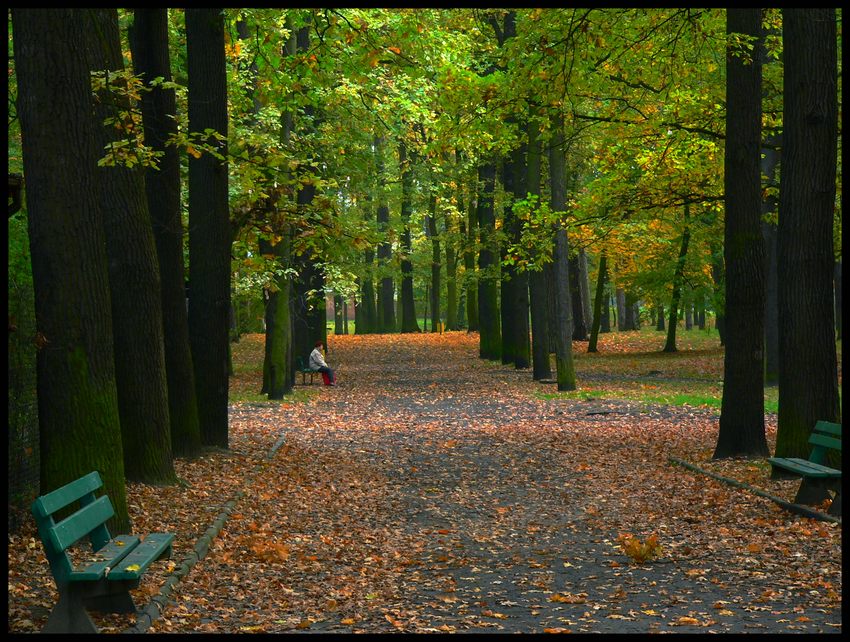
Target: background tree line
{"x": 529, "y": 174}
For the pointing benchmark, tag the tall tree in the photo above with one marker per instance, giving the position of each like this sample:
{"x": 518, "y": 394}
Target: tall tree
{"x": 436, "y": 263}
{"x": 563, "y": 305}
{"x": 408, "y": 307}
{"x": 386, "y": 290}
{"x": 598, "y": 303}
{"x": 133, "y": 272}
{"x": 678, "y": 279}
{"x": 149, "y": 44}
{"x": 77, "y": 394}
{"x": 808, "y": 379}
{"x": 209, "y": 222}
{"x": 309, "y": 311}
{"x": 489, "y": 335}
{"x": 742, "y": 410}
{"x": 541, "y": 368}
{"x": 470, "y": 227}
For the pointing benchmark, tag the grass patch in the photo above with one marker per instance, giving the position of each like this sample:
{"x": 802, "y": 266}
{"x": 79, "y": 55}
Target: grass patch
{"x": 299, "y": 394}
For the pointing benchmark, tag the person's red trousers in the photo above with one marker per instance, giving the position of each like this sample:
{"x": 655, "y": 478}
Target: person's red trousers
{"x": 326, "y": 378}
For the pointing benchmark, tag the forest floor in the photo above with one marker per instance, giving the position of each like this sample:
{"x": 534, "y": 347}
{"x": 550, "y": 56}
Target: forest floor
{"x": 432, "y": 491}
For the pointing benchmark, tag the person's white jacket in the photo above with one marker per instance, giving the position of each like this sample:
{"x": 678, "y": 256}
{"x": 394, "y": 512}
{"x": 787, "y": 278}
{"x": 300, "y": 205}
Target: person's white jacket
{"x": 317, "y": 360}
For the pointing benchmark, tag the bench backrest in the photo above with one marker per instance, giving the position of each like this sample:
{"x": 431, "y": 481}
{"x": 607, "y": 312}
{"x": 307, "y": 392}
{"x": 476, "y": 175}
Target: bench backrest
{"x": 825, "y": 436}
{"x": 89, "y": 520}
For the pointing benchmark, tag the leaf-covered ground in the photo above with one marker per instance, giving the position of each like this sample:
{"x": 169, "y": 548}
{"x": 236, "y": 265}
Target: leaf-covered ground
{"x": 435, "y": 492}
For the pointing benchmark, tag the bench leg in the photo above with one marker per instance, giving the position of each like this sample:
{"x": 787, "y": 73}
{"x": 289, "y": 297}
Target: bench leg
{"x": 835, "y": 506}
{"x": 811, "y": 493}
{"x": 69, "y": 615}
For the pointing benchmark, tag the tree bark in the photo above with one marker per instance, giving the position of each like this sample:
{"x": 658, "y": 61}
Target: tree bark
{"x": 678, "y": 276}
{"x": 541, "y": 367}
{"x": 808, "y": 377}
{"x": 386, "y": 317}
{"x": 78, "y": 417}
{"x": 598, "y": 302}
{"x": 408, "y": 306}
{"x": 563, "y": 304}
{"x": 133, "y": 280}
{"x": 490, "y": 340}
{"x": 742, "y": 408}
{"x": 149, "y": 44}
{"x": 470, "y": 278}
{"x": 209, "y": 223}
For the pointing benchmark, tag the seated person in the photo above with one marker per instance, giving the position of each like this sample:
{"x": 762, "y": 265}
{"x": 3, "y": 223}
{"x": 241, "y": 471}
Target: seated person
{"x": 317, "y": 363}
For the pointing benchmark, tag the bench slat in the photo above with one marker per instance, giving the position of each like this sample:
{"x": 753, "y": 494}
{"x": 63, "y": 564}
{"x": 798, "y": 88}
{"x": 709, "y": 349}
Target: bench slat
{"x": 142, "y": 556}
{"x": 805, "y": 467}
{"x": 829, "y": 428}
{"x": 67, "y": 494}
{"x": 107, "y": 557}
{"x": 80, "y": 524}
{"x": 825, "y": 441}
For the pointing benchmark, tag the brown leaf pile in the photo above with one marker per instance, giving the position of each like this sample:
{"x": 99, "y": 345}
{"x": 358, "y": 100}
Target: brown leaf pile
{"x": 435, "y": 492}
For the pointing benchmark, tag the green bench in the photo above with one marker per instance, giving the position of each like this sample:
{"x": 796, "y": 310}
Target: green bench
{"x": 102, "y": 579}
{"x": 818, "y": 479}
{"x": 303, "y": 370}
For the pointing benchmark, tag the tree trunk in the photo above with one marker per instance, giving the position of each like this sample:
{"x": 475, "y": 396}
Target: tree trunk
{"x": 837, "y": 279}
{"x": 515, "y": 339}
{"x": 808, "y": 377}
{"x": 408, "y": 306}
{"x": 209, "y": 223}
{"x": 490, "y": 340}
{"x": 563, "y": 331}
{"x": 678, "y": 276}
{"x": 584, "y": 291}
{"x": 521, "y": 340}
{"x": 337, "y": 314}
{"x": 579, "y": 326}
{"x": 742, "y": 411}
{"x": 621, "y": 309}
{"x": 541, "y": 367}
{"x": 597, "y": 304}
{"x": 771, "y": 308}
{"x": 435, "y": 263}
{"x": 149, "y": 42}
{"x": 386, "y": 317}
{"x": 451, "y": 271}
{"x": 469, "y": 277}
{"x": 79, "y": 426}
{"x": 718, "y": 277}
{"x": 605, "y": 325}
{"x": 133, "y": 281}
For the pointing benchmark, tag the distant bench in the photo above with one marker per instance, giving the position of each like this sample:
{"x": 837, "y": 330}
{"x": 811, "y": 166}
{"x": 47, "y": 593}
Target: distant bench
{"x": 817, "y": 478}
{"x": 102, "y": 581}
{"x": 304, "y": 371}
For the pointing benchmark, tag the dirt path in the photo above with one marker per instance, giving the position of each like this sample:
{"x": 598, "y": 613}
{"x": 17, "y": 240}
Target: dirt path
{"x": 431, "y": 491}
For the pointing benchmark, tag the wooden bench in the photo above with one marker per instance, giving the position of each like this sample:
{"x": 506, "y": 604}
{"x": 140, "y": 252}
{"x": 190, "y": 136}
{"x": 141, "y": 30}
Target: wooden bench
{"x": 103, "y": 579}
{"x": 817, "y": 478}
{"x": 304, "y": 371}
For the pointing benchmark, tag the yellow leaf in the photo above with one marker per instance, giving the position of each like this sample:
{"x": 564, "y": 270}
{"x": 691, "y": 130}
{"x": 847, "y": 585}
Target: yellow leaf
{"x": 686, "y": 620}
{"x": 567, "y": 599}
{"x": 348, "y": 620}
{"x": 132, "y": 567}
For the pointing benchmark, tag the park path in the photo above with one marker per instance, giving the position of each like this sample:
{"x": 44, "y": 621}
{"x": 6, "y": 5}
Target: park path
{"x": 433, "y": 492}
